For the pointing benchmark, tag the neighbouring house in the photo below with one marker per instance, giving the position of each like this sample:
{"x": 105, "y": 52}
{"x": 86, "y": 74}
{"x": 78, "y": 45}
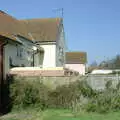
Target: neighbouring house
{"x": 76, "y": 61}
{"x": 101, "y": 71}
{"x": 49, "y": 35}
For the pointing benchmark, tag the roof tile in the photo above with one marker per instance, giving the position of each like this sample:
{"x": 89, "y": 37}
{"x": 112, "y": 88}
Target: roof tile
{"x": 76, "y": 57}
{"x": 37, "y": 29}
{"x": 43, "y": 29}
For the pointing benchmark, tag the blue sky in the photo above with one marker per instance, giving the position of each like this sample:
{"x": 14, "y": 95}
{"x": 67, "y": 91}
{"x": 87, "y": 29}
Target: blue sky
{"x": 90, "y": 25}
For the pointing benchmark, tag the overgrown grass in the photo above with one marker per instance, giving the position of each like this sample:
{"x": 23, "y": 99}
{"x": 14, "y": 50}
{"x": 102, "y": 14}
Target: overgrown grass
{"x": 27, "y": 93}
{"x": 58, "y": 114}
{"x": 76, "y": 96}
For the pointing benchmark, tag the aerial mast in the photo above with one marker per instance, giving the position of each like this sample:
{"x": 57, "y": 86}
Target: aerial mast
{"x": 60, "y": 10}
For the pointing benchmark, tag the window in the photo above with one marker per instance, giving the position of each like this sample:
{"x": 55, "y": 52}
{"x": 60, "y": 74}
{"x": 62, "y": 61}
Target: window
{"x": 19, "y": 52}
{"x": 61, "y": 51}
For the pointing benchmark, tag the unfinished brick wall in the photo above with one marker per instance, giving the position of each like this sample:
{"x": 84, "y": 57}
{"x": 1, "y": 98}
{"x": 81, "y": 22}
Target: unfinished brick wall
{"x": 40, "y": 72}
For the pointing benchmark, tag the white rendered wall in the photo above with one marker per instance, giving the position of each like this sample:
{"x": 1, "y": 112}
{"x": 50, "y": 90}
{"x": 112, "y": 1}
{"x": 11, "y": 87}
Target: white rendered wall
{"x": 77, "y": 67}
{"x": 49, "y": 58}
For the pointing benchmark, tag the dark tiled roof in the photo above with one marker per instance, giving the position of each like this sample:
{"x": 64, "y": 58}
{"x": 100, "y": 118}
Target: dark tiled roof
{"x": 76, "y": 57}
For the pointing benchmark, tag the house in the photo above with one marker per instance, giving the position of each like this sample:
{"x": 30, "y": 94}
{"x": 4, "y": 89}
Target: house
{"x": 11, "y": 46}
{"x": 76, "y": 61}
{"x": 16, "y": 48}
{"x": 49, "y": 35}
{"x": 32, "y": 42}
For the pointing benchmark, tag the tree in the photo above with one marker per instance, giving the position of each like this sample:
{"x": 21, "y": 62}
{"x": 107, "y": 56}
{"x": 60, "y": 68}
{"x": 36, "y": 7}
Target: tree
{"x": 111, "y": 64}
{"x": 116, "y": 62}
{"x": 94, "y": 64}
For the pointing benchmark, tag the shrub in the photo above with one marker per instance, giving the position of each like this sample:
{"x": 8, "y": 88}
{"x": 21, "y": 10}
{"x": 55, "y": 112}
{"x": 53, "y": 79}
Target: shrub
{"x": 67, "y": 96}
{"x": 103, "y": 102}
{"x": 108, "y": 84}
{"x": 63, "y": 96}
{"x": 25, "y": 94}
{"x": 76, "y": 96}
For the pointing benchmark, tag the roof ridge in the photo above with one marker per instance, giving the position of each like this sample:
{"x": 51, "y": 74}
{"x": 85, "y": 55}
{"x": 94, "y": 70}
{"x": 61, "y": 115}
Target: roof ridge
{"x": 76, "y": 52}
{"x": 5, "y": 13}
{"x": 40, "y": 19}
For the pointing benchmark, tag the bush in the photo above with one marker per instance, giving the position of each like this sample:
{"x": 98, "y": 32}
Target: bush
{"x": 63, "y": 96}
{"x": 103, "y": 102}
{"x": 67, "y": 96}
{"x": 25, "y": 94}
{"x": 76, "y": 96}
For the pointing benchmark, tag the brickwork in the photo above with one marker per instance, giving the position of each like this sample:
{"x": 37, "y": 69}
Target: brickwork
{"x": 43, "y": 72}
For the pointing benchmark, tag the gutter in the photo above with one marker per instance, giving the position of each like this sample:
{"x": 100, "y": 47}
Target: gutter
{"x": 45, "y": 42}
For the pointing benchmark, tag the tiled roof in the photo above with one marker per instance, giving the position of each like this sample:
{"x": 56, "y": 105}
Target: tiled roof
{"x": 37, "y": 29}
{"x": 42, "y": 29}
{"x": 10, "y": 26}
{"x": 76, "y": 57}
